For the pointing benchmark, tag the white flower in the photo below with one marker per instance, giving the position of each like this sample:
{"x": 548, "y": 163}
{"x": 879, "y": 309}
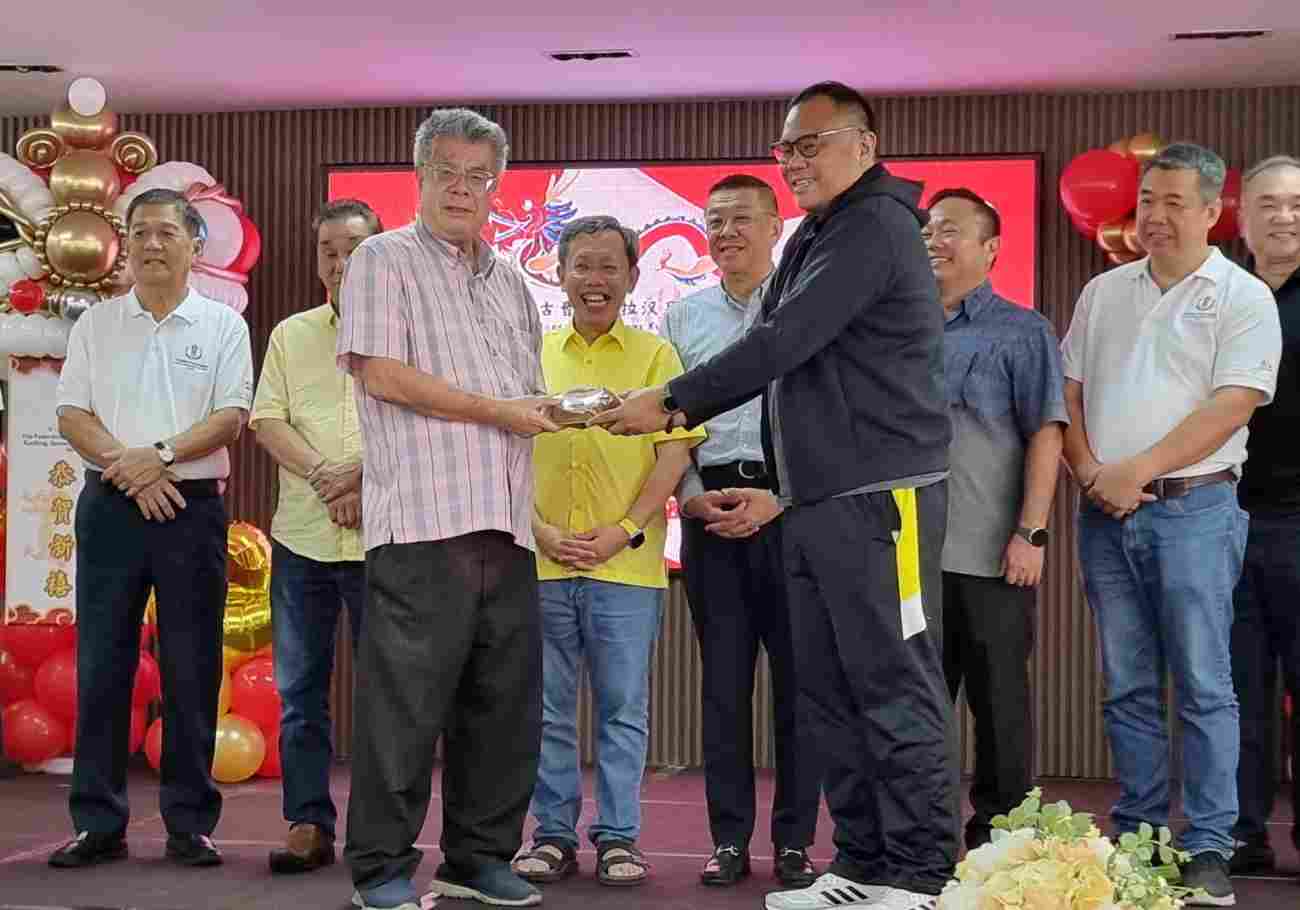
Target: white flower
{"x": 959, "y": 896}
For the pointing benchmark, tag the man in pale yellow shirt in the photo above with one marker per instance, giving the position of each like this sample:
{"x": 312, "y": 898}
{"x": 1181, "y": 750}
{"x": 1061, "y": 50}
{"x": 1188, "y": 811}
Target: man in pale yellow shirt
{"x": 305, "y": 416}
{"x": 600, "y": 528}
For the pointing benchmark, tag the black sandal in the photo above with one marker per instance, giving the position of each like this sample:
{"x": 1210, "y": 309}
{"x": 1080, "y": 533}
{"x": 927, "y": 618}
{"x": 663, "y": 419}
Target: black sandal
{"x": 623, "y": 852}
{"x": 557, "y": 868}
{"x": 732, "y": 865}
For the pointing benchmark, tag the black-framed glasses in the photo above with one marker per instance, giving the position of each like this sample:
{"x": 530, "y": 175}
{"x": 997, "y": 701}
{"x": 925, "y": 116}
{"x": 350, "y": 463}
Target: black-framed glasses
{"x": 807, "y": 145}
{"x": 479, "y": 181}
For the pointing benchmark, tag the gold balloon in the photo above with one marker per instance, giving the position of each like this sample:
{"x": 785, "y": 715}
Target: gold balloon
{"x": 151, "y": 609}
{"x": 82, "y": 246}
{"x": 1121, "y": 258}
{"x": 247, "y": 623}
{"x": 233, "y": 659}
{"x": 1145, "y": 146}
{"x": 241, "y": 748}
{"x": 1110, "y": 237}
{"x": 1131, "y": 237}
{"x": 134, "y": 152}
{"x": 1119, "y": 147}
{"x": 85, "y": 176}
{"x": 84, "y": 132}
{"x": 40, "y": 148}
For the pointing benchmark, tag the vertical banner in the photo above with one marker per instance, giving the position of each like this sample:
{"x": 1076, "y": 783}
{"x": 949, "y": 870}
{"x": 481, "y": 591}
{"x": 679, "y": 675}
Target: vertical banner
{"x": 45, "y": 478}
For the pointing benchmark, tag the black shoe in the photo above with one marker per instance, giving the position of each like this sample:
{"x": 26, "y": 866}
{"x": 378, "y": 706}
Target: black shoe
{"x": 1208, "y": 873}
{"x": 793, "y": 868}
{"x": 89, "y": 849}
{"x": 732, "y": 863}
{"x": 1252, "y": 857}
{"x": 193, "y": 850}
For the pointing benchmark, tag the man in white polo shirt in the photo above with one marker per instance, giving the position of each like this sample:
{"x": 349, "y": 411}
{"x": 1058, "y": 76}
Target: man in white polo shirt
{"x": 1165, "y": 361}
{"x": 155, "y": 386}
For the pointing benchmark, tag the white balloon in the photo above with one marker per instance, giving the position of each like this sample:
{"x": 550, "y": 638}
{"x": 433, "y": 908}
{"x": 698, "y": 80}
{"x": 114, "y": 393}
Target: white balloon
{"x": 35, "y": 201}
{"x": 22, "y": 335}
{"x": 225, "y": 233}
{"x": 27, "y": 259}
{"x": 231, "y": 293}
{"x": 10, "y": 270}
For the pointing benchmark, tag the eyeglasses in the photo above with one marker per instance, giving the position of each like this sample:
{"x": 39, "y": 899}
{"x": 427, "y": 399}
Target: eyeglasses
{"x": 807, "y": 145}
{"x": 478, "y": 181}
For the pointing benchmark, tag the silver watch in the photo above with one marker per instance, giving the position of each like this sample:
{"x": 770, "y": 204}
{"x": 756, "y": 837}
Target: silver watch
{"x": 166, "y": 454}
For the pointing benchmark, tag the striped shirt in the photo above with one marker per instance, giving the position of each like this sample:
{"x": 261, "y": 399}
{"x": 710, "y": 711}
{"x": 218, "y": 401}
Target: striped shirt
{"x": 413, "y": 298}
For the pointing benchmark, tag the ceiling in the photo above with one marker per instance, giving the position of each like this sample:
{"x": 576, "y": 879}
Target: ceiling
{"x": 253, "y": 54}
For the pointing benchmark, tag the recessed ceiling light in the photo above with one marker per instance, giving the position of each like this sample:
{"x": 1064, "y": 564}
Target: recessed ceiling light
{"x": 1221, "y": 34}
{"x": 568, "y": 56}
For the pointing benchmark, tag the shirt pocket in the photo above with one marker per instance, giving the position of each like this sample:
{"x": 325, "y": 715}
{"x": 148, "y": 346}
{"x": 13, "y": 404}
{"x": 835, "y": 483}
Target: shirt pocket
{"x": 985, "y": 390}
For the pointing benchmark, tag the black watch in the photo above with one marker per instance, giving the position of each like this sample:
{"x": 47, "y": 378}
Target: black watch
{"x": 670, "y": 403}
{"x": 1036, "y": 537}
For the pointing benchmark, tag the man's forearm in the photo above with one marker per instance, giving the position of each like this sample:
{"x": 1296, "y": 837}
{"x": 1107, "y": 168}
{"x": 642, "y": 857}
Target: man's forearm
{"x": 286, "y": 445}
{"x": 405, "y": 386}
{"x": 220, "y": 428}
{"x": 87, "y": 435}
{"x": 671, "y": 461}
{"x": 1201, "y": 433}
{"x": 1042, "y": 465}
{"x": 1079, "y": 457}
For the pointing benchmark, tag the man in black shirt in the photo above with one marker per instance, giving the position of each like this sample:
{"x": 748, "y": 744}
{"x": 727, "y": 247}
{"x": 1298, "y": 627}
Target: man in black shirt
{"x": 1267, "y": 624}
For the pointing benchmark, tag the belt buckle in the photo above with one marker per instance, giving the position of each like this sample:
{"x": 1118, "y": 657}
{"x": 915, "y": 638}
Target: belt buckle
{"x": 1158, "y": 487}
{"x": 740, "y": 469}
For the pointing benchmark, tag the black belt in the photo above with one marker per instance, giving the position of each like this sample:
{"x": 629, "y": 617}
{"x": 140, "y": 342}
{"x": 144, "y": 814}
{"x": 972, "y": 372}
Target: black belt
{"x": 187, "y": 488}
{"x": 1174, "y": 487}
{"x": 736, "y": 474}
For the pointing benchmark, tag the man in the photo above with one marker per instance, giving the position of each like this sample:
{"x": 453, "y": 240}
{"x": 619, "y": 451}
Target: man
{"x": 444, "y": 339}
{"x": 848, "y": 356}
{"x": 155, "y": 386}
{"x": 1267, "y": 625}
{"x": 734, "y": 577}
{"x": 600, "y": 529}
{"x": 1005, "y": 397}
{"x": 1165, "y": 360}
{"x": 305, "y": 416}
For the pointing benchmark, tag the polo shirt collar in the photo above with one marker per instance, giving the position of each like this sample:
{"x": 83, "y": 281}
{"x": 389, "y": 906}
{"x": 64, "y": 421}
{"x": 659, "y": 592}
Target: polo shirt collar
{"x": 977, "y": 300}
{"x": 756, "y": 296}
{"x": 1214, "y": 269}
{"x": 187, "y": 311}
{"x": 618, "y": 332}
{"x": 480, "y": 266}
{"x": 1288, "y": 287}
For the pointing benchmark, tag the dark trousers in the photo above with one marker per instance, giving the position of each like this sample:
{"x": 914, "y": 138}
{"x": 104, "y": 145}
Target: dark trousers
{"x": 306, "y": 599}
{"x": 988, "y": 633}
{"x": 878, "y": 703}
{"x": 451, "y": 645}
{"x": 119, "y": 556}
{"x": 1266, "y": 631}
{"x": 736, "y": 591}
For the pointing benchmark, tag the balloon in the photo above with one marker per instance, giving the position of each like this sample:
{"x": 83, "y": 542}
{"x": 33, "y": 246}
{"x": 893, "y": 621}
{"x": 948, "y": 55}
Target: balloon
{"x": 240, "y": 751}
{"x": 225, "y": 233}
{"x": 1119, "y": 147}
{"x": 253, "y": 693}
{"x": 271, "y": 763}
{"x": 1121, "y": 258}
{"x": 1226, "y": 228}
{"x": 148, "y": 681}
{"x": 1144, "y": 146}
{"x": 26, "y": 296}
{"x": 153, "y": 744}
{"x": 223, "y": 696}
{"x": 31, "y": 643}
{"x": 32, "y": 734}
{"x": 1131, "y": 241}
{"x": 1099, "y": 186}
{"x": 252, "y": 248}
{"x": 81, "y": 131}
{"x": 15, "y": 679}
{"x": 138, "y": 726}
{"x": 233, "y": 658}
{"x": 1110, "y": 237}
{"x": 56, "y": 684}
{"x": 247, "y": 623}
{"x": 85, "y": 176}
{"x": 148, "y": 632}
{"x": 82, "y": 246}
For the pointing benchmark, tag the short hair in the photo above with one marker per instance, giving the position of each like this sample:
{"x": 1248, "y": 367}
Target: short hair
{"x": 1271, "y": 163}
{"x": 459, "y": 123}
{"x": 342, "y": 210}
{"x": 195, "y": 226}
{"x": 747, "y": 182}
{"x": 1187, "y": 156}
{"x": 594, "y": 224}
{"x": 844, "y": 97}
{"x": 988, "y": 214}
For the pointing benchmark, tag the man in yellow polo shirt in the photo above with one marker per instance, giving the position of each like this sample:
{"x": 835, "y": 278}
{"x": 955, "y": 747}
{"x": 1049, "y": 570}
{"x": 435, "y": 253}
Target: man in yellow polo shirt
{"x": 600, "y": 529}
{"x": 305, "y": 416}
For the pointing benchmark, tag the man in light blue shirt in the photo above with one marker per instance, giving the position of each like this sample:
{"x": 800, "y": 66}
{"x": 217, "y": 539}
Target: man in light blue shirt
{"x": 731, "y": 558}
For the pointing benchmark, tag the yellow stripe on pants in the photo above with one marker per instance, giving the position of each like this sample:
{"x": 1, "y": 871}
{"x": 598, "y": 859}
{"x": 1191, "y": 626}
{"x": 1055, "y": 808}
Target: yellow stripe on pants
{"x": 907, "y": 551}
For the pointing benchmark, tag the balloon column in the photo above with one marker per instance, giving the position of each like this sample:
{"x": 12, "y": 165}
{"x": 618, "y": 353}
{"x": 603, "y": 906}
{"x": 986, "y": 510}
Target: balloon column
{"x": 1099, "y": 190}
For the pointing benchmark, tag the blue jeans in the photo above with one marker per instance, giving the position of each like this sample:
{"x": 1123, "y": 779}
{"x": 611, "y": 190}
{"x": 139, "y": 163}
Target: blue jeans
{"x": 614, "y": 627}
{"x": 306, "y": 597}
{"x": 1160, "y": 585}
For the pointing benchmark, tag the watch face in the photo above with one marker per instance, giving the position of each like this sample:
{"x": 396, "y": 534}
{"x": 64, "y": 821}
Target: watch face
{"x": 1038, "y": 537}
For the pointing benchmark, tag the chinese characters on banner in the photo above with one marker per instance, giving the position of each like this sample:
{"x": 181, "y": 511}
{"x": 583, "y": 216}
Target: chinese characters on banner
{"x": 45, "y": 477}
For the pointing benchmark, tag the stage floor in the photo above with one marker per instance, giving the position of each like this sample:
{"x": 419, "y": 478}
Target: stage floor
{"x": 33, "y": 821}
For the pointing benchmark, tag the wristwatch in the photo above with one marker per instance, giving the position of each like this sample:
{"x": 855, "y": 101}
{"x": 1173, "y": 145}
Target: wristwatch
{"x": 635, "y": 536}
{"x": 1036, "y": 537}
{"x": 669, "y": 403}
{"x": 166, "y": 454}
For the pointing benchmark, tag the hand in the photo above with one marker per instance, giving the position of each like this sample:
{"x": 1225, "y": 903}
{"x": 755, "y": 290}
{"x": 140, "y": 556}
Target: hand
{"x": 335, "y": 478}
{"x": 641, "y": 412}
{"x": 711, "y": 506}
{"x": 1022, "y": 563}
{"x": 160, "y": 501}
{"x": 1117, "y": 489}
{"x": 607, "y": 542}
{"x": 345, "y": 511}
{"x": 755, "y": 508}
{"x": 525, "y": 416}
{"x": 131, "y": 470}
{"x": 559, "y": 546}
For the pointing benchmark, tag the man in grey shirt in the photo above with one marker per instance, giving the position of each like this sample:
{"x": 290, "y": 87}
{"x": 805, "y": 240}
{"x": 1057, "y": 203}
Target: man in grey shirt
{"x": 1006, "y": 398}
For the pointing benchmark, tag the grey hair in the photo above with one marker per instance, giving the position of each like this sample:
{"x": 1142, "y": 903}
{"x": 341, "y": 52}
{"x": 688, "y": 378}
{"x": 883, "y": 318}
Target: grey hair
{"x": 1186, "y": 156}
{"x": 460, "y": 123}
{"x": 195, "y": 226}
{"x": 594, "y": 224}
{"x": 1269, "y": 164}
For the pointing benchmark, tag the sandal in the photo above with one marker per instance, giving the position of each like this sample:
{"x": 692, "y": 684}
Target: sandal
{"x": 560, "y": 858}
{"x": 618, "y": 853}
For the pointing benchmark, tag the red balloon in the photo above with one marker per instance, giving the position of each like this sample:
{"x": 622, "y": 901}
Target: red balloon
{"x": 253, "y": 693}
{"x": 56, "y": 684}
{"x": 31, "y": 643}
{"x": 1100, "y": 186}
{"x": 15, "y": 680}
{"x": 148, "y": 632}
{"x": 26, "y": 296}
{"x": 32, "y": 734}
{"x": 271, "y": 764}
{"x": 138, "y": 725}
{"x": 1226, "y": 228}
{"x": 148, "y": 681}
{"x": 251, "y": 251}
{"x": 153, "y": 744}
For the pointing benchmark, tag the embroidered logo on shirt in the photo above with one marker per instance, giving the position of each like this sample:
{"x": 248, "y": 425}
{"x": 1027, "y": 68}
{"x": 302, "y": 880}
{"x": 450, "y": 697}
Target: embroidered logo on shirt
{"x": 192, "y": 359}
{"x": 1202, "y": 309}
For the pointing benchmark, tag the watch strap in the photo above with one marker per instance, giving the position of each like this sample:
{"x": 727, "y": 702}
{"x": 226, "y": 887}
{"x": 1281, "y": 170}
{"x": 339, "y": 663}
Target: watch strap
{"x": 630, "y": 527}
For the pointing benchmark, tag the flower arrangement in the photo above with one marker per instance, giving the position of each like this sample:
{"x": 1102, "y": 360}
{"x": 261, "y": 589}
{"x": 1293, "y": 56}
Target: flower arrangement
{"x": 1049, "y": 857}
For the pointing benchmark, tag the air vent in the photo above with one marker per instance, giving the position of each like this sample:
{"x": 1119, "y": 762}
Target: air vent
{"x": 30, "y": 68}
{"x": 566, "y": 56}
{"x": 1221, "y": 34}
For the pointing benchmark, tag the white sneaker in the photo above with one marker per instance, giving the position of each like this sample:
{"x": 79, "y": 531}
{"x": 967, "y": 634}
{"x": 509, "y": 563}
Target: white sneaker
{"x": 828, "y": 892}
{"x": 900, "y": 899}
